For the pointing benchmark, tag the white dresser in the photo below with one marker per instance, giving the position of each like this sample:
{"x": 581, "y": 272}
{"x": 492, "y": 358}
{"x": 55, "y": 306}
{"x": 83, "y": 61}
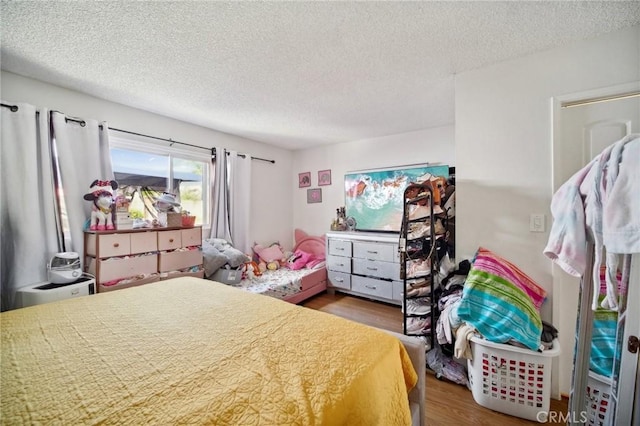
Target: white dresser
{"x": 365, "y": 264}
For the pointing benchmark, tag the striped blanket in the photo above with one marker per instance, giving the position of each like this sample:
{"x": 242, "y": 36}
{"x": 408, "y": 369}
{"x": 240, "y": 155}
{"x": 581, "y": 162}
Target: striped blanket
{"x": 603, "y": 337}
{"x": 501, "y": 301}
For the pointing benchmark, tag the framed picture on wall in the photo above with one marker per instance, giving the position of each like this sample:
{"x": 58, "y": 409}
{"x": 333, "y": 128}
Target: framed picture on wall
{"x": 304, "y": 179}
{"x": 324, "y": 177}
{"x": 314, "y": 195}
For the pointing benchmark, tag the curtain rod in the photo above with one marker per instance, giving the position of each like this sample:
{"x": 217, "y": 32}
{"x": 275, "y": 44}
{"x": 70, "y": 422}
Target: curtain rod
{"x": 171, "y": 141}
{"x": 82, "y": 123}
{"x": 600, "y": 99}
{"x": 13, "y": 108}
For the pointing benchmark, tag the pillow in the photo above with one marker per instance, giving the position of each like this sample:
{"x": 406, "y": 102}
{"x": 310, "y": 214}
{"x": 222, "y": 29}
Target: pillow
{"x": 212, "y": 260}
{"x": 501, "y": 301}
{"x": 298, "y": 260}
{"x": 235, "y": 257}
{"x": 268, "y": 254}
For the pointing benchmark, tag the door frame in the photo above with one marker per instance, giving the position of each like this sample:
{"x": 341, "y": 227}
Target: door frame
{"x": 556, "y": 141}
{"x": 556, "y": 119}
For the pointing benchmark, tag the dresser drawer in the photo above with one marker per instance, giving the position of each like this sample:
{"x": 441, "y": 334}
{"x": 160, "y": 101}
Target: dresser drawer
{"x": 191, "y": 237}
{"x": 169, "y": 240}
{"x": 114, "y": 269}
{"x": 371, "y": 286}
{"x": 375, "y": 251}
{"x": 397, "y": 290}
{"x": 144, "y": 242}
{"x": 339, "y": 263}
{"x": 376, "y": 268}
{"x": 179, "y": 259}
{"x": 109, "y": 245}
{"x": 340, "y": 248}
{"x": 339, "y": 279}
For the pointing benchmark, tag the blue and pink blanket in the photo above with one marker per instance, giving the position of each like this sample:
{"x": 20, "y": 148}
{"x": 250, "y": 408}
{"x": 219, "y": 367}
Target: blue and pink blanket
{"x": 502, "y": 302}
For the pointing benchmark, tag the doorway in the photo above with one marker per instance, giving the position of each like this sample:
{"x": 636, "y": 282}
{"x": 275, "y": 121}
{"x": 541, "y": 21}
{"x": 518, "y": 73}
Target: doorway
{"x": 580, "y": 133}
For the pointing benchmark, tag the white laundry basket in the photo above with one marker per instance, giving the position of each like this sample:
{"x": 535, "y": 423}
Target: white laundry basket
{"x": 512, "y": 380}
{"x": 599, "y": 400}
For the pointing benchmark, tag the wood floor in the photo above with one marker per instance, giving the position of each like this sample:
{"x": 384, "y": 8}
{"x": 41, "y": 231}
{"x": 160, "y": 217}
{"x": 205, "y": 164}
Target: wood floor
{"x": 447, "y": 403}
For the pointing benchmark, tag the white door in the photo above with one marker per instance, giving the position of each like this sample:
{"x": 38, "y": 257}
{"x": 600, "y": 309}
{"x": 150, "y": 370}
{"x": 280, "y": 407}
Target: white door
{"x": 582, "y": 133}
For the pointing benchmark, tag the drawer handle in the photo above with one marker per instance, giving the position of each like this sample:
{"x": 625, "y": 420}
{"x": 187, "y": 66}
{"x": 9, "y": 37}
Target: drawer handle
{"x": 340, "y": 248}
{"x": 372, "y": 252}
{"x": 340, "y": 264}
{"x": 340, "y": 280}
{"x": 371, "y": 287}
{"x": 116, "y": 245}
{"x": 372, "y": 269}
{"x": 170, "y": 240}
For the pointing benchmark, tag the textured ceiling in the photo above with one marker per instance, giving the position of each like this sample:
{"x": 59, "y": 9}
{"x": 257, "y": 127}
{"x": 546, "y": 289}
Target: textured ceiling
{"x": 292, "y": 74}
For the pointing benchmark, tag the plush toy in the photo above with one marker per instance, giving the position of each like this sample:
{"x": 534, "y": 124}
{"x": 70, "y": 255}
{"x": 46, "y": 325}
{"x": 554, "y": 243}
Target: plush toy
{"x": 298, "y": 260}
{"x": 270, "y": 254}
{"x": 273, "y": 266}
{"x": 103, "y": 203}
{"x": 250, "y": 270}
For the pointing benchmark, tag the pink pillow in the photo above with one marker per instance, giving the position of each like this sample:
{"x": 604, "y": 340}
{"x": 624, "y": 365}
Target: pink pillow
{"x": 269, "y": 254}
{"x": 298, "y": 260}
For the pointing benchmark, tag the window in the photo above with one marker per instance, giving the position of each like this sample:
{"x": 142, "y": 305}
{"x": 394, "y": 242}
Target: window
{"x": 144, "y": 170}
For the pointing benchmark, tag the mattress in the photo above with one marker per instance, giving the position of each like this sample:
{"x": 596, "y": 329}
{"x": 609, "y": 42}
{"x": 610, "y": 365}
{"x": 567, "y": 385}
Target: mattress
{"x": 279, "y": 284}
{"x": 194, "y": 351}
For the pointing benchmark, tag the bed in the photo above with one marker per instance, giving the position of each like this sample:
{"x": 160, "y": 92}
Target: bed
{"x": 293, "y": 286}
{"x": 190, "y": 350}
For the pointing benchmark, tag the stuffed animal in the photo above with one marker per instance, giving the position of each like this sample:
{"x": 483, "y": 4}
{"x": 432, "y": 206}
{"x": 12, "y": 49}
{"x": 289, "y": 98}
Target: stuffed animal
{"x": 271, "y": 256}
{"x": 250, "y": 270}
{"x": 103, "y": 203}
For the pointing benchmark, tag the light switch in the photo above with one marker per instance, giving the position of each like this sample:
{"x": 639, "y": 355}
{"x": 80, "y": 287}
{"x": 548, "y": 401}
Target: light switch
{"x": 536, "y": 222}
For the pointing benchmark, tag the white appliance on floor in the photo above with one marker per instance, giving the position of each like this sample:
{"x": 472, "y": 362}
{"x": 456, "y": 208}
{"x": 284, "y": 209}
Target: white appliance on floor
{"x": 46, "y": 292}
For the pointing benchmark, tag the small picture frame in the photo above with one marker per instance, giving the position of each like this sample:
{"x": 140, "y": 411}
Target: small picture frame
{"x": 314, "y": 195}
{"x": 324, "y": 177}
{"x": 304, "y": 179}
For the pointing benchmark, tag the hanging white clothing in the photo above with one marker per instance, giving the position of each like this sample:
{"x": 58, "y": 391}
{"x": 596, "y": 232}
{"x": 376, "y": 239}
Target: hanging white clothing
{"x": 595, "y": 203}
{"x": 621, "y": 217}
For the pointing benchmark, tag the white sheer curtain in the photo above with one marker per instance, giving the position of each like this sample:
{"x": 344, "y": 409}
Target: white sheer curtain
{"x": 240, "y": 190}
{"x": 31, "y": 228}
{"x": 27, "y": 203}
{"x": 232, "y": 199}
{"x": 220, "y": 223}
{"x": 83, "y": 156}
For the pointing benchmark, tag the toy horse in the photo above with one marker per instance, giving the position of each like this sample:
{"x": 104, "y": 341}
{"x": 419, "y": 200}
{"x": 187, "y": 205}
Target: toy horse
{"x": 103, "y": 200}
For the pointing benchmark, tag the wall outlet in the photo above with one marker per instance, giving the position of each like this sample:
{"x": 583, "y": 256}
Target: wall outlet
{"x": 537, "y": 222}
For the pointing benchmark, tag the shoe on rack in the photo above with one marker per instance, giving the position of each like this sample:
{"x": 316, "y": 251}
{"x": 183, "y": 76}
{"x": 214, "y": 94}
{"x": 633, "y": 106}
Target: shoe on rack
{"x": 420, "y": 306}
{"x": 417, "y": 282}
{"x": 417, "y": 230}
{"x": 418, "y": 268}
{"x": 419, "y": 292}
{"x": 417, "y": 325}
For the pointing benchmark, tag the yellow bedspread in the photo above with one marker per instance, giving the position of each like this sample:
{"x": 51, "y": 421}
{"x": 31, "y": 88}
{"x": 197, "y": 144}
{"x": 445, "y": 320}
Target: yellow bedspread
{"x": 192, "y": 351}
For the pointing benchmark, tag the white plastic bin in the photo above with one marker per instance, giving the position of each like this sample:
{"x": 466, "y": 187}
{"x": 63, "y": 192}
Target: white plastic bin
{"x": 512, "y": 380}
{"x": 599, "y": 400}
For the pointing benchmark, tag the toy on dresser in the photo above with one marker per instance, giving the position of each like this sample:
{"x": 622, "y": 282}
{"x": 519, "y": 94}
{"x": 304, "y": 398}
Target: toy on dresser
{"x": 102, "y": 209}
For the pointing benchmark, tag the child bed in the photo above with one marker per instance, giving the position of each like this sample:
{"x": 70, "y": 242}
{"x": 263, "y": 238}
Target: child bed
{"x": 193, "y": 351}
{"x": 289, "y": 285}
{"x": 293, "y": 286}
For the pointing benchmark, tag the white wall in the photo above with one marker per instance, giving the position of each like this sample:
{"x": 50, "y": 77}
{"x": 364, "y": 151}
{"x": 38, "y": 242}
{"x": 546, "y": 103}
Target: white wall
{"x": 271, "y": 216}
{"x": 503, "y": 150}
{"x": 430, "y": 145}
